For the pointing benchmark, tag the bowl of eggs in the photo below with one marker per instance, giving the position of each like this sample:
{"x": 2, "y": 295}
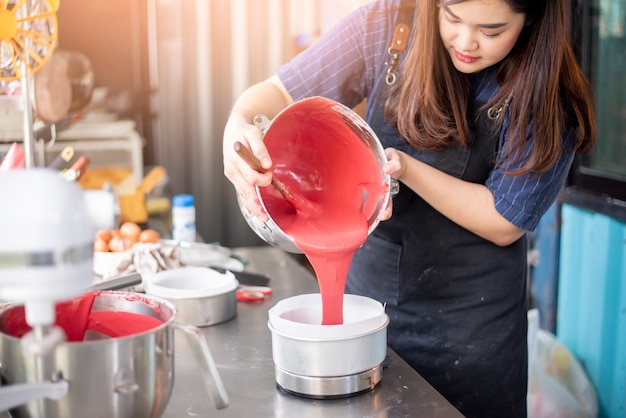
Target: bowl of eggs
{"x": 110, "y": 245}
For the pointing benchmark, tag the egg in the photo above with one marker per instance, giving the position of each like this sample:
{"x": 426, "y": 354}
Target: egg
{"x": 130, "y": 230}
{"x": 101, "y": 245}
{"x": 130, "y": 241}
{"x": 104, "y": 235}
{"x": 120, "y": 240}
{"x": 119, "y": 244}
{"x": 149, "y": 235}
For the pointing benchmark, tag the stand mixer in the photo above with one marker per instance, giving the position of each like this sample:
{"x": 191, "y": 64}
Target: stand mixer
{"x": 46, "y": 245}
{"x": 46, "y": 256}
{"x": 47, "y": 229}
{"x": 46, "y": 249}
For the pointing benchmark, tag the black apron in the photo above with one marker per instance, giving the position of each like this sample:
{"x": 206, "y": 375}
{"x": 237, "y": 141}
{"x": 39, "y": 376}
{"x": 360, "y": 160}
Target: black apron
{"x": 457, "y": 302}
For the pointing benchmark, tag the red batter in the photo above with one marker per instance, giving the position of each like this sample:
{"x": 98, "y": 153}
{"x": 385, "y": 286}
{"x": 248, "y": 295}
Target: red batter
{"x": 318, "y": 157}
{"x": 121, "y": 324}
{"x": 329, "y": 242}
{"x": 75, "y": 317}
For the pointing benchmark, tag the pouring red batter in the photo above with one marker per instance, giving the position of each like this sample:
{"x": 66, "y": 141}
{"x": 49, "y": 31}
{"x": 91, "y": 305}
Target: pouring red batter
{"x": 321, "y": 157}
{"x": 76, "y": 317}
{"x": 329, "y": 243}
{"x": 328, "y": 237}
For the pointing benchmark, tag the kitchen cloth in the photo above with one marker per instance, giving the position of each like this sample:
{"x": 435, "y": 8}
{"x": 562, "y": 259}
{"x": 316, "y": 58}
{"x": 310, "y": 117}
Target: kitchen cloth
{"x": 146, "y": 259}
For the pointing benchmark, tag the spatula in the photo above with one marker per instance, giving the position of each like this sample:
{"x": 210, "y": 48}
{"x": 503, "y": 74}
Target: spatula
{"x": 255, "y": 164}
{"x": 304, "y": 206}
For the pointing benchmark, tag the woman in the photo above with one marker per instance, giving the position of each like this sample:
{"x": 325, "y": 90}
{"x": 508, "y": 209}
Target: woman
{"x": 480, "y": 127}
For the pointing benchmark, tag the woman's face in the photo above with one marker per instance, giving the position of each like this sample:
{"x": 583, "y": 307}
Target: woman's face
{"x": 479, "y": 33}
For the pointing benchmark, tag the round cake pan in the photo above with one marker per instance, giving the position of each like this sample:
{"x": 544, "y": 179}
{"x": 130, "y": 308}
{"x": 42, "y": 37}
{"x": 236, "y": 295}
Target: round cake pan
{"x": 201, "y": 295}
{"x": 300, "y": 345}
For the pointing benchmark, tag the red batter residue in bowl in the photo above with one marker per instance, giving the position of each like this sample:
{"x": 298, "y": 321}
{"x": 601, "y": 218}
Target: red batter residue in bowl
{"x": 76, "y": 317}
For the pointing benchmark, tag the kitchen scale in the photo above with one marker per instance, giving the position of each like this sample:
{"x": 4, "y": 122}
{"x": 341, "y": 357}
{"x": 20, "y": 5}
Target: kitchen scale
{"x": 336, "y": 387}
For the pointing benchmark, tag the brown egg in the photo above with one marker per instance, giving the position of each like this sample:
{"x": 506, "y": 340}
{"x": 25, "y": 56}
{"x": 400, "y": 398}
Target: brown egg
{"x": 130, "y": 230}
{"x": 149, "y": 235}
{"x": 129, "y": 242}
{"x": 101, "y": 245}
{"x": 104, "y": 235}
{"x": 118, "y": 244}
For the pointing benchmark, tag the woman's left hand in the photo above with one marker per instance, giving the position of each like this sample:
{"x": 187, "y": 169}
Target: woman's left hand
{"x": 396, "y": 163}
{"x": 394, "y": 167}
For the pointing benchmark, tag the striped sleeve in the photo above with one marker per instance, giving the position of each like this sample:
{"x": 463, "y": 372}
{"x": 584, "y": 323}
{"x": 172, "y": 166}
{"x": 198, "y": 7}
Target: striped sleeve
{"x": 342, "y": 64}
{"x": 523, "y": 199}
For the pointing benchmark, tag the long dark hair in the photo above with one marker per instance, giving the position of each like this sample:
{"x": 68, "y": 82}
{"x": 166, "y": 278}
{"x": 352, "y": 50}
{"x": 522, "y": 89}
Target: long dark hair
{"x": 540, "y": 80}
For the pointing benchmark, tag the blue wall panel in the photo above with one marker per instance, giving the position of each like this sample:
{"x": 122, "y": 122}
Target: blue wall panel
{"x": 544, "y": 270}
{"x": 591, "y": 313}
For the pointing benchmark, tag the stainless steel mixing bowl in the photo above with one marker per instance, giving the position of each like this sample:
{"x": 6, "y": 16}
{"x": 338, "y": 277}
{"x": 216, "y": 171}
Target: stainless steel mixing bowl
{"x": 124, "y": 377}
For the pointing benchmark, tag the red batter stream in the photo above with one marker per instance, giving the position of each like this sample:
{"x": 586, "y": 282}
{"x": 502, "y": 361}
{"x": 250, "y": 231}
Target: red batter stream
{"x": 321, "y": 158}
{"x": 76, "y": 317}
{"x": 328, "y": 237}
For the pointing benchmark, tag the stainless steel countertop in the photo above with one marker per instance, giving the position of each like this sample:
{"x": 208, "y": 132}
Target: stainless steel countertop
{"x": 242, "y": 351}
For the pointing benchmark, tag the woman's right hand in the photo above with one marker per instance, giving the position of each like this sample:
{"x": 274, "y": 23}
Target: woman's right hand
{"x": 268, "y": 97}
{"x": 240, "y": 174}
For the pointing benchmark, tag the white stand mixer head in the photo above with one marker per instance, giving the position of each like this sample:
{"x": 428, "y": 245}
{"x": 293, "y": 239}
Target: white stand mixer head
{"x": 46, "y": 242}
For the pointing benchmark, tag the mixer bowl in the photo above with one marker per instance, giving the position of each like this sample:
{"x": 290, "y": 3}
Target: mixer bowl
{"x": 313, "y": 144}
{"x": 120, "y": 377}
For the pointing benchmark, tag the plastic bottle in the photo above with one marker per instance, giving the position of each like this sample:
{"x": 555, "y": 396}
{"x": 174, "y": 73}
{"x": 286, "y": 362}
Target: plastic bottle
{"x": 183, "y": 218}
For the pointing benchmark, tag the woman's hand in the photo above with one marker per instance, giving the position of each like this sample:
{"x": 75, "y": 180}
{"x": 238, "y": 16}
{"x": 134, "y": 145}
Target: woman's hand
{"x": 396, "y": 163}
{"x": 240, "y": 174}
{"x": 468, "y": 204}
{"x": 395, "y": 168}
{"x": 268, "y": 97}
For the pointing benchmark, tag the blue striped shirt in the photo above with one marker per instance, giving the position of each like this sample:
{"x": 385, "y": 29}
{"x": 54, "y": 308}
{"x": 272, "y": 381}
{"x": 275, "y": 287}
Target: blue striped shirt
{"x": 346, "y": 62}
